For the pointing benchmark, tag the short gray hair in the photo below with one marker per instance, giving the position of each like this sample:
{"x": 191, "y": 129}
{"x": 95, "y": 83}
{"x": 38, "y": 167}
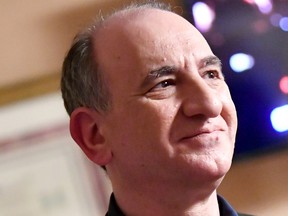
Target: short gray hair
{"x": 82, "y": 83}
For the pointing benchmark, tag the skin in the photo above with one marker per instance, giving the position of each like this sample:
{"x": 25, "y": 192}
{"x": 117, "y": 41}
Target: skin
{"x": 168, "y": 140}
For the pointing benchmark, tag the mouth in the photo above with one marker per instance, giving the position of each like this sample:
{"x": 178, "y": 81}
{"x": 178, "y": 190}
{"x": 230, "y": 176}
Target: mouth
{"x": 202, "y": 136}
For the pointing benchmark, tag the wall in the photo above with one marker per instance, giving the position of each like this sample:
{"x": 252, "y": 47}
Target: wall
{"x": 259, "y": 185}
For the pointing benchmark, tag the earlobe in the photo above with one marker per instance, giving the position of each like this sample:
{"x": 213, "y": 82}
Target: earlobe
{"x": 85, "y": 129}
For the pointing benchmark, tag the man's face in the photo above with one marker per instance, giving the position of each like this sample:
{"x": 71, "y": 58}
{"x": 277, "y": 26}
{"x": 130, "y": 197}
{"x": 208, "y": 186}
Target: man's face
{"x": 172, "y": 117}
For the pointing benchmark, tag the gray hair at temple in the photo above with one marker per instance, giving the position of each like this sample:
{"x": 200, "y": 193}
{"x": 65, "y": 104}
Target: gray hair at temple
{"x": 82, "y": 83}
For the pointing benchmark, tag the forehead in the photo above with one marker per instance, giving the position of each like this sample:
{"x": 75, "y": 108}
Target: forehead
{"x": 140, "y": 40}
{"x": 146, "y": 25}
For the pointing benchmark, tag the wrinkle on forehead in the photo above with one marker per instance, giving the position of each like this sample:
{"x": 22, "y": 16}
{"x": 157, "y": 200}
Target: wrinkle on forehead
{"x": 141, "y": 34}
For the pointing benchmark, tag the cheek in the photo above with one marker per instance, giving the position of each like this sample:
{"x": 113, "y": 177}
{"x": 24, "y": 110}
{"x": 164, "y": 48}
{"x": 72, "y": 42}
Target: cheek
{"x": 229, "y": 112}
{"x": 154, "y": 119}
{"x": 140, "y": 136}
{"x": 152, "y": 125}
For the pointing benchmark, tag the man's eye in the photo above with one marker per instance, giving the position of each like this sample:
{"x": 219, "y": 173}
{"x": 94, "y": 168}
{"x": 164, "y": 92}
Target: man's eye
{"x": 212, "y": 74}
{"x": 163, "y": 85}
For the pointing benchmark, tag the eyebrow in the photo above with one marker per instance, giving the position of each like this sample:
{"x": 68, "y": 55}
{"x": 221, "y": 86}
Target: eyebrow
{"x": 210, "y": 61}
{"x": 169, "y": 70}
{"x": 159, "y": 72}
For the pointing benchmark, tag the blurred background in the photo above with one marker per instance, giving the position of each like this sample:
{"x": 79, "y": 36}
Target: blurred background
{"x": 42, "y": 172}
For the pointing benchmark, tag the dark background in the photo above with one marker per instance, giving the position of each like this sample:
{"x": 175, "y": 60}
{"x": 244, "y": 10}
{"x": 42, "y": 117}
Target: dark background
{"x": 256, "y": 91}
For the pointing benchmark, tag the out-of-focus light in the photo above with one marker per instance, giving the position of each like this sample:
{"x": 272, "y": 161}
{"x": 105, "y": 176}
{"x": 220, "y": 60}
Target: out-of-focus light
{"x": 265, "y": 6}
{"x": 203, "y": 16}
{"x": 249, "y": 1}
{"x": 284, "y": 23}
{"x": 279, "y": 118}
{"x": 283, "y": 84}
{"x": 275, "y": 19}
{"x": 241, "y": 62}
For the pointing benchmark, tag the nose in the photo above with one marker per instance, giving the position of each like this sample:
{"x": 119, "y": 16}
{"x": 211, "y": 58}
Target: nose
{"x": 201, "y": 99}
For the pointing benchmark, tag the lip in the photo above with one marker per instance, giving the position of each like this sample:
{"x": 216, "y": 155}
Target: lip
{"x": 201, "y": 133}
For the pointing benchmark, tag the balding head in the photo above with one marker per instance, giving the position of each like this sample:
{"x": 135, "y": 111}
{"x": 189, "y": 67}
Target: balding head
{"x": 128, "y": 40}
{"x": 82, "y": 83}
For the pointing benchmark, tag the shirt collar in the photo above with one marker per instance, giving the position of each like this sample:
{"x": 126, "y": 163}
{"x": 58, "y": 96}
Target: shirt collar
{"x": 113, "y": 209}
{"x": 224, "y": 207}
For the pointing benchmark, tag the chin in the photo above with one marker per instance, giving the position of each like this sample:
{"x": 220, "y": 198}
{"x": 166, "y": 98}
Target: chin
{"x": 218, "y": 163}
{"x": 219, "y": 168}
{"x": 213, "y": 168}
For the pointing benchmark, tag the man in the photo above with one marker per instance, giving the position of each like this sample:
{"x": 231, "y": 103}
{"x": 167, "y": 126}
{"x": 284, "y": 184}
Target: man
{"x": 148, "y": 102}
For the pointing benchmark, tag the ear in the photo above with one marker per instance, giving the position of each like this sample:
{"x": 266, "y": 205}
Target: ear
{"x": 85, "y": 129}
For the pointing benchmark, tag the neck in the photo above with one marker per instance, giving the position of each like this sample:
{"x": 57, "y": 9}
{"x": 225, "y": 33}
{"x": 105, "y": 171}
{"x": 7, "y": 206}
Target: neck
{"x": 167, "y": 202}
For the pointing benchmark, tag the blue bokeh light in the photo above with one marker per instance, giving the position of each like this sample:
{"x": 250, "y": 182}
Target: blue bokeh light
{"x": 283, "y": 24}
{"x": 279, "y": 118}
{"x": 241, "y": 62}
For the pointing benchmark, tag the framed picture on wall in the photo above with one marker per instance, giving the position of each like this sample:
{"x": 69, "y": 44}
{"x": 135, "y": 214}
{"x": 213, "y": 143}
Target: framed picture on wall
{"x": 45, "y": 173}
